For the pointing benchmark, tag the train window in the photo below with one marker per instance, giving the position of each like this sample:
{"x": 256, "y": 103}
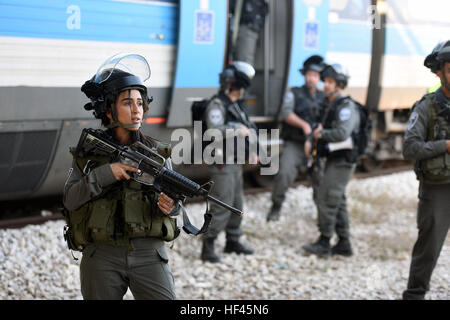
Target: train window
{"x": 151, "y": 1}
{"x": 418, "y": 11}
{"x": 350, "y": 9}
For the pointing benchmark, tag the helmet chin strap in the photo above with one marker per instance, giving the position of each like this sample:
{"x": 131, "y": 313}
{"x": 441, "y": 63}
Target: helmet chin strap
{"x": 445, "y": 83}
{"x": 116, "y": 123}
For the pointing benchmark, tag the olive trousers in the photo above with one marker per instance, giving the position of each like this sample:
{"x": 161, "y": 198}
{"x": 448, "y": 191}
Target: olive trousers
{"x": 228, "y": 187}
{"x": 293, "y": 161}
{"x": 331, "y": 200}
{"x": 433, "y": 221}
{"x": 106, "y": 271}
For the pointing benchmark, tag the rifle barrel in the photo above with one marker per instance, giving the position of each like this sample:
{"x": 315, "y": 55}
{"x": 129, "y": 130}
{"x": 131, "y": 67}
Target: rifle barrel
{"x": 223, "y": 204}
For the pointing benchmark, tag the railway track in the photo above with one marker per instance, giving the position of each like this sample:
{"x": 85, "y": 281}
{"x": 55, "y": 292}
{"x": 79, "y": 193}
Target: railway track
{"x": 17, "y": 214}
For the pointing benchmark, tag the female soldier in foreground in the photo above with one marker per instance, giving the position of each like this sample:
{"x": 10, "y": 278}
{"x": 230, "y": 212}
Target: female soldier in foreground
{"x": 119, "y": 224}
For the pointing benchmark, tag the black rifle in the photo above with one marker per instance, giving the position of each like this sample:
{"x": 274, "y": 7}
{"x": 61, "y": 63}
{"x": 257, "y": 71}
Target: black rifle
{"x": 253, "y": 138}
{"x": 152, "y": 172}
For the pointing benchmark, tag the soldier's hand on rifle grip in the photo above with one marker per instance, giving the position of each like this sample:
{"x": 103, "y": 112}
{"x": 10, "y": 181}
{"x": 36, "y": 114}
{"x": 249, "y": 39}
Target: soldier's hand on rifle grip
{"x": 447, "y": 145}
{"x": 165, "y": 203}
{"x": 317, "y": 131}
{"x": 120, "y": 171}
{"x": 244, "y": 131}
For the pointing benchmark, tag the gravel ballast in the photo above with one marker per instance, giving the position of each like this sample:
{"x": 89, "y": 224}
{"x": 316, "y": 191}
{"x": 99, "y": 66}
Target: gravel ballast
{"x": 36, "y": 264}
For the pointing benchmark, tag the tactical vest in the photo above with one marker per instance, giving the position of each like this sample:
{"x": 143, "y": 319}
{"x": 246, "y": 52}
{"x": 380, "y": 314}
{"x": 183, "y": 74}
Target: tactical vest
{"x": 306, "y": 108}
{"x": 125, "y": 210}
{"x": 322, "y": 148}
{"x": 435, "y": 170}
{"x": 229, "y": 117}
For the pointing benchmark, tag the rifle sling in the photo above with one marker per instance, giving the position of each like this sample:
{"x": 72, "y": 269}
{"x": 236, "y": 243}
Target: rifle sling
{"x": 191, "y": 229}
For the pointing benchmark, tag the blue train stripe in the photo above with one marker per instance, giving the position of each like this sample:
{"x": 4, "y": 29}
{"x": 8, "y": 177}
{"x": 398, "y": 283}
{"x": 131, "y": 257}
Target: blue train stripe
{"x": 99, "y": 20}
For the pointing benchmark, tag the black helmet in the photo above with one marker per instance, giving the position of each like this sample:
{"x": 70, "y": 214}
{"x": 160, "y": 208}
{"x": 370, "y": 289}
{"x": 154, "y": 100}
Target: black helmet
{"x": 337, "y": 72}
{"x": 314, "y": 63}
{"x": 439, "y": 55}
{"x": 239, "y": 74}
{"x": 118, "y": 73}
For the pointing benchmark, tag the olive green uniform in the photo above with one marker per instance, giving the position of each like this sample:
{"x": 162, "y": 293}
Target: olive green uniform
{"x": 293, "y": 159}
{"x": 120, "y": 231}
{"x": 341, "y": 121}
{"x": 424, "y": 142}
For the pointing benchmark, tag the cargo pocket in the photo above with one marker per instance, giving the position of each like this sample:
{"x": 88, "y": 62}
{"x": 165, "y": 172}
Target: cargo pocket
{"x": 101, "y": 222}
{"x": 436, "y": 164}
{"x": 135, "y": 211}
{"x": 334, "y": 197}
{"x": 162, "y": 254}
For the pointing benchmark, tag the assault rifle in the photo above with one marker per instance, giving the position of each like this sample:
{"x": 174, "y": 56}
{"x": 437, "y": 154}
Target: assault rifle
{"x": 153, "y": 173}
{"x": 253, "y": 138}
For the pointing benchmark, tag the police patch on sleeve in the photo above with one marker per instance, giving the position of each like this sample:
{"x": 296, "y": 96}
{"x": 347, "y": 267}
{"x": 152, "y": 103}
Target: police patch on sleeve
{"x": 288, "y": 97}
{"x": 345, "y": 114}
{"x": 412, "y": 120}
{"x": 215, "y": 117}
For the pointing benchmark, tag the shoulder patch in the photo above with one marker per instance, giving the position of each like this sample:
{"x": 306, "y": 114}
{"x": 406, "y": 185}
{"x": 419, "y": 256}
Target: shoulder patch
{"x": 288, "y": 97}
{"x": 413, "y": 120}
{"x": 345, "y": 114}
{"x": 215, "y": 116}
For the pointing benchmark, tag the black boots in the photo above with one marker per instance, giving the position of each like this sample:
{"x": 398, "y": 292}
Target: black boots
{"x": 208, "y": 253}
{"x": 343, "y": 248}
{"x": 323, "y": 249}
{"x": 274, "y": 213}
{"x": 237, "y": 247}
{"x": 320, "y": 248}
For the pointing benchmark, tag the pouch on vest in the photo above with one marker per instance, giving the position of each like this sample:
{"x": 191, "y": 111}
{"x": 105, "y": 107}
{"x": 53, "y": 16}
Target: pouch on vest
{"x": 101, "y": 221}
{"x": 76, "y": 232}
{"x": 136, "y": 210}
{"x": 437, "y": 168}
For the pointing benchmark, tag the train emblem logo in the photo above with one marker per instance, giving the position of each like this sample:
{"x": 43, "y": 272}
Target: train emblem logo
{"x": 311, "y": 35}
{"x": 204, "y": 27}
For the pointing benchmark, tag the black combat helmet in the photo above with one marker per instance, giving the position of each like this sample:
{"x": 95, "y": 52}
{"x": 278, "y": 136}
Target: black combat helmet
{"x": 118, "y": 73}
{"x": 440, "y": 54}
{"x": 239, "y": 74}
{"x": 337, "y": 72}
{"x": 444, "y": 53}
{"x": 314, "y": 63}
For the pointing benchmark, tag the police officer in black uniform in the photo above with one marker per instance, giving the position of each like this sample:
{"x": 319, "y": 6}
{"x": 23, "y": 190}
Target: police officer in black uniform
{"x": 427, "y": 141}
{"x": 300, "y": 113}
{"x": 225, "y": 113}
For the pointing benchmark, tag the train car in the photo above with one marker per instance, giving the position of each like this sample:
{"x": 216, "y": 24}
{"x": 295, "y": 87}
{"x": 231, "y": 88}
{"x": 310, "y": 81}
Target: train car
{"x": 48, "y": 49}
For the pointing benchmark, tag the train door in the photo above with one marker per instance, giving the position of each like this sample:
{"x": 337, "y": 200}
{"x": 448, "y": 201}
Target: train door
{"x": 267, "y": 25}
{"x": 200, "y": 56}
{"x": 293, "y": 30}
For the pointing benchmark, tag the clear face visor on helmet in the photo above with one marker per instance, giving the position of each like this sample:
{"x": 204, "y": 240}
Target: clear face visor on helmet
{"x": 137, "y": 71}
{"x": 130, "y": 63}
{"x": 245, "y": 68}
{"x": 335, "y": 70}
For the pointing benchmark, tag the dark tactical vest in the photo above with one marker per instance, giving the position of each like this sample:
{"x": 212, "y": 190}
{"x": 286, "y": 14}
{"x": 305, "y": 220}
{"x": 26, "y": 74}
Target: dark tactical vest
{"x": 435, "y": 170}
{"x": 330, "y": 115}
{"x": 124, "y": 210}
{"x": 231, "y": 115}
{"x": 307, "y": 108}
